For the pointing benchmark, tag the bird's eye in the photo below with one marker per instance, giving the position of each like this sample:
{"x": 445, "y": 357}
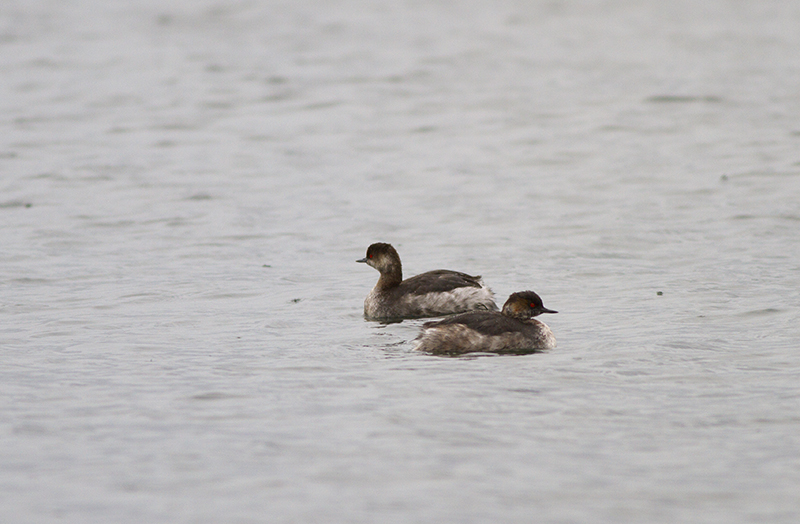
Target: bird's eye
{"x": 533, "y": 306}
{"x": 369, "y": 256}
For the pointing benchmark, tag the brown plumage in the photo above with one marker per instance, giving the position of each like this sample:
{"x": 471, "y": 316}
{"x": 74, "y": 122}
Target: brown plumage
{"x": 431, "y": 294}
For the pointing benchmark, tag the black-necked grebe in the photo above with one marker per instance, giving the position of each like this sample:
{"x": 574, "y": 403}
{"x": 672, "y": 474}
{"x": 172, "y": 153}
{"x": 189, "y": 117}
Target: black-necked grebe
{"x": 512, "y": 330}
{"x": 430, "y": 294}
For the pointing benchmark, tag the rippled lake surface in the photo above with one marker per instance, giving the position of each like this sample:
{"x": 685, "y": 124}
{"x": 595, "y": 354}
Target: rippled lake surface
{"x": 185, "y": 187}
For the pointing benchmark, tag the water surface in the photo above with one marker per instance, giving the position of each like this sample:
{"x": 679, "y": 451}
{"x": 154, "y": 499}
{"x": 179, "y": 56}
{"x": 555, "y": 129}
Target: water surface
{"x": 186, "y": 186}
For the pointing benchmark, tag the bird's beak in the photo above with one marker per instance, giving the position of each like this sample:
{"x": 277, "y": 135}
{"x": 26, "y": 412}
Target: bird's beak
{"x": 362, "y": 260}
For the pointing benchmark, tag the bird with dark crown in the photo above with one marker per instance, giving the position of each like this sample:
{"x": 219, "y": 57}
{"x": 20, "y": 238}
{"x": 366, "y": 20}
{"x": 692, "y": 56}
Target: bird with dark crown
{"x": 512, "y": 330}
{"x": 432, "y": 294}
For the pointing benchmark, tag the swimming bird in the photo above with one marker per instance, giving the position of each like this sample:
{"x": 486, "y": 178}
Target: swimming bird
{"x": 512, "y": 330}
{"x": 431, "y": 294}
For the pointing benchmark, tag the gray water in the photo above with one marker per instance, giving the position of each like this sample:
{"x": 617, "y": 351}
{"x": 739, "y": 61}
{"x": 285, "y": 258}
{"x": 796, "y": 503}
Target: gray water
{"x": 184, "y": 189}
